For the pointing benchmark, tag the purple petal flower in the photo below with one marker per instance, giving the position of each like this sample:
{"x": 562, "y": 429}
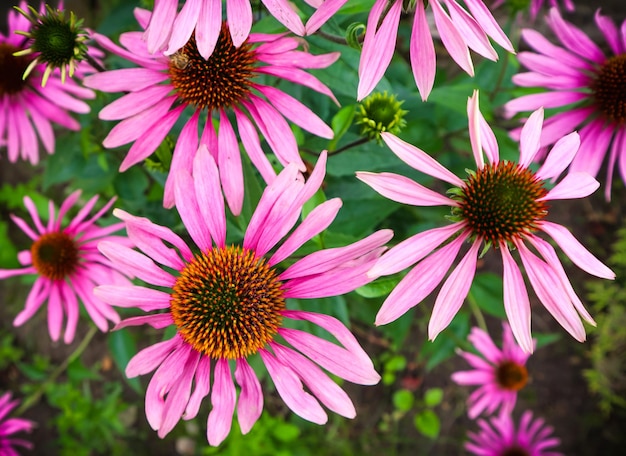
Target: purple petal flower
{"x": 10, "y": 426}
{"x": 228, "y": 303}
{"x": 502, "y": 205}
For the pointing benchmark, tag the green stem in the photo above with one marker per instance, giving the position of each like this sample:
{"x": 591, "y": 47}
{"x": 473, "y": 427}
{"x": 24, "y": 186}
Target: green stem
{"x": 480, "y": 319}
{"x": 94, "y": 64}
{"x": 356, "y": 143}
{"x": 34, "y": 397}
{"x": 332, "y": 38}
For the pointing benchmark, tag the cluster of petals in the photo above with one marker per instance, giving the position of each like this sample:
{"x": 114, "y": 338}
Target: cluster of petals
{"x": 490, "y": 395}
{"x": 458, "y": 29}
{"x": 169, "y": 29}
{"x": 92, "y": 268}
{"x": 569, "y": 86}
{"x": 435, "y": 250}
{"x": 27, "y": 115}
{"x": 330, "y": 272}
{"x": 499, "y": 436}
{"x": 10, "y": 426}
{"x": 151, "y": 108}
{"x": 536, "y": 5}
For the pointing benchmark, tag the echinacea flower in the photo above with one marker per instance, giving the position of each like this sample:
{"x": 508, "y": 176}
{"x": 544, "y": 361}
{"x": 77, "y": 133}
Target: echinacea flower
{"x": 27, "y": 110}
{"x": 68, "y": 265}
{"x": 588, "y": 85}
{"x": 11, "y": 426}
{"x": 534, "y": 6}
{"x": 501, "y": 373}
{"x": 503, "y": 205}
{"x": 459, "y": 30}
{"x": 161, "y": 89}
{"x": 228, "y": 303}
{"x": 499, "y": 437}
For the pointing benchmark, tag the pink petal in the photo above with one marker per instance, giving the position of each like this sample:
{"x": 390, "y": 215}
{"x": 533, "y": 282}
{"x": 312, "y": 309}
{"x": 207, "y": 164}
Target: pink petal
{"x": 239, "y": 14}
{"x": 529, "y": 140}
{"x": 250, "y": 403}
{"x": 452, "y": 39}
{"x": 223, "y": 399}
{"x": 208, "y": 27}
{"x": 229, "y": 162}
{"x": 157, "y": 321}
{"x": 187, "y": 205}
{"x": 134, "y": 103}
{"x": 184, "y": 24}
{"x": 403, "y": 190}
{"x": 487, "y": 22}
{"x": 252, "y": 146}
{"x": 160, "y": 25}
{"x": 572, "y": 186}
{"x": 55, "y": 311}
{"x": 422, "y": 52}
{"x": 516, "y": 302}
{"x": 559, "y": 157}
{"x": 209, "y": 193}
{"x": 146, "y": 299}
{"x": 325, "y": 11}
{"x": 183, "y": 155}
{"x": 125, "y": 80}
{"x": 202, "y": 387}
{"x": 136, "y": 264}
{"x": 286, "y": 15}
{"x": 472, "y": 32}
{"x": 38, "y": 294}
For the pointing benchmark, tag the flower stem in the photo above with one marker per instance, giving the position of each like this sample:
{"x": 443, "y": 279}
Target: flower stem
{"x": 34, "y": 397}
{"x": 356, "y": 143}
{"x": 478, "y": 315}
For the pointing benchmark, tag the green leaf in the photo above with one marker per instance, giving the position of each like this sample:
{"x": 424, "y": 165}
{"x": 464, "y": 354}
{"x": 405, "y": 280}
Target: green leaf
{"x": 77, "y": 372}
{"x": 123, "y": 348}
{"x": 341, "y": 122}
{"x": 403, "y": 400}
{"x": 487, "y": 292}
{"x": 379, "y": 287}
{"x": 427, "y": 422}
{"x": 433, "y": 397}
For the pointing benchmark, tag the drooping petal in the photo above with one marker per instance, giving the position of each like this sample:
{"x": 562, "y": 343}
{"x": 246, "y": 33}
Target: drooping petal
{"x": 559, "y": 157}
{"x": 529, "y": 140}
{"x": 516, "y": 302}
{"x": 572, "y": 186}
{"x": 403, "y": 190}
{"x": 250, "y": 404}
{"x": 223, "y": 399}
{"x": 422, "y": 52}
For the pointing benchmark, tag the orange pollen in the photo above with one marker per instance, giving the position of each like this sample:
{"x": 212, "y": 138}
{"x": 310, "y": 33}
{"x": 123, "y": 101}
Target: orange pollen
{"x": 227, "y": 303}
{"x": 219, "y": 82}
{"x": 12, "y": 70}
{"x": 511, "y": 376}
{"x": 54, "y": 255}
{"x": 500, "y": 202}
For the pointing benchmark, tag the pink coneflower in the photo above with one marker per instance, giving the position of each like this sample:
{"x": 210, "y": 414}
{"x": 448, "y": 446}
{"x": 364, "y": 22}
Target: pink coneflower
{"x": 11, "y": 426}
{"x": 68, "y": 265}
{"x": 499, "y": 437}
{"x": 164, "y": 86}
{"x": 536, "y": 5}
{"x": 228, "y": 303}
{"x": 459, "y": 30}
{"x": 590, "y": 86}
{"x": 500, "y": 373}
{"x": 502, "y": 205}
{"x": 28, "y": 110}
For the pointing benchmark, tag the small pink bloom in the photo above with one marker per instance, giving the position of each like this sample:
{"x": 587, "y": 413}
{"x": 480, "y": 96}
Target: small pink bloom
{"x": 459, "y": 30}
{"x": 28, "y": 110}
{"x": 162, "y": 87}
{"x": 11, "y": 426}
{"x": 588, "y": 87}
{"x": 228, "y": 303}
{"x": 500, "y": 374}
{"x": 68, "y": 265}
{"x": 502, "y": 205}
{"x": 499, "y": 437}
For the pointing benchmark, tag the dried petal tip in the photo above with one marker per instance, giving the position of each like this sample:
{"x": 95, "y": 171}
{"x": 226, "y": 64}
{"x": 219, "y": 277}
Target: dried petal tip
{"x": 56, "y": 40}
{"x": 379, "y": 113}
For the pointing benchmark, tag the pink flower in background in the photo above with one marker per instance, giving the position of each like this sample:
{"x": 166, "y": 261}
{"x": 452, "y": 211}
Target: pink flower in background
{"x": 228, "y": 303}
{"x": 27, "y": 110}
{"x": 502, "y": 205}
{"x": 536, "y": 5}
{"x": 499, "y": 437}
{"x": 161, "y": 89}
{"x": 459, "y": 30}
{"x": 11, "y": 426}
{"x": 588, "y": 86}
{"x": 68, "y": 265}
{"x": 500, "y": 374}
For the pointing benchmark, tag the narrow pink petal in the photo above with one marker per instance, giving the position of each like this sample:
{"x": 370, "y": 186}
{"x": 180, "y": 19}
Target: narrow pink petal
{"x": 516, "y": 302}
{"x": 24, "y": 257}
{"x": 573, "y": 38}
{"x": 472, "y": 377}
{"x": 562, "y": 124}
{"x": 487, "y": 22}
{"x": 28, "y": 231}
{"x": 452, "y": 39}
{"x": 55, "y": 311}
{"x": 252, "y": 146}
{"x": 148, "y": 142}
{"x": 378, "y": 46}
{"x": 422, "y": 52}
{"x": 412, "y": 250}
{"x": 28, "y": 139}
{"x": 420, "y": 160}
{"x": 473, "y": 116}
{"x": 202, "y": 388}
{"x": 223, "y": 399}
{"x": 125, "y": 80}
{"x": 157, "y": 321}
{"x": 187, "y": 206}
{"x": 209, "y": 193}
{"x": 485, "y": 345}
{"x": 229, "y": 162}
{"x": 32, "y": 210}
{"x": 553, "y": 99}
{"x": 208, "y": 27}
{"x": 36, "y": 297}
{"x": 453, "y": 292}
{"x": 148, "y": 359}
{"x": 160, "y": 25}
{"x": 403, "y": 190}
{"x": 472, "y": 32}
{"x": 315, "y": 222}
{"x": 419, "y": 282}
{"x": 572, "y": 186}
{"x": 70, "y": 306}
{"x": 576, "y": 251}
{"x": 298, "y": 76}
{"x": 136, "y": 264}
{"x": 250, "y": 403}
{"x": 146, "y": 299}
{"x": 183, "y": 155}
{"x": 542, "y": 45}
{"x": 325, "y": 11}
{"x": 595, "y": 138}
{"x": 529, "y": 139}
{"x": 291, "y": 390}
{"x": 322, "y": 387}
{"x": 295, "y": 111}
{"x": 560, "y": 156}
{"x": 286, "y": 15}
{"x": 134, "y": 102}
{"x": 239, "y": 14}
{"x": 184, "y": 25}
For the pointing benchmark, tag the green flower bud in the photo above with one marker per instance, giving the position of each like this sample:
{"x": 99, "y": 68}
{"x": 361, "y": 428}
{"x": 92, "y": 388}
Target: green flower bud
{"x": 378, "y": 113}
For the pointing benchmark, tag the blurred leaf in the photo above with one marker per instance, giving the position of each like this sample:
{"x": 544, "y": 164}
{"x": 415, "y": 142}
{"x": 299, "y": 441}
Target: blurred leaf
{"x": 546, "y": 339}
{"x": 285, "y": 432}
{"x": 427, "y": 422}
{"x": 379, "y": 287}
{"x": 403, "y": 400}
{"x": 123, "y": 347}
{"x": 433, "y": 397}
{"x": 487, "y": 292}
{"x": 77, "y": 371}
{"x": 444, "y": 345}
